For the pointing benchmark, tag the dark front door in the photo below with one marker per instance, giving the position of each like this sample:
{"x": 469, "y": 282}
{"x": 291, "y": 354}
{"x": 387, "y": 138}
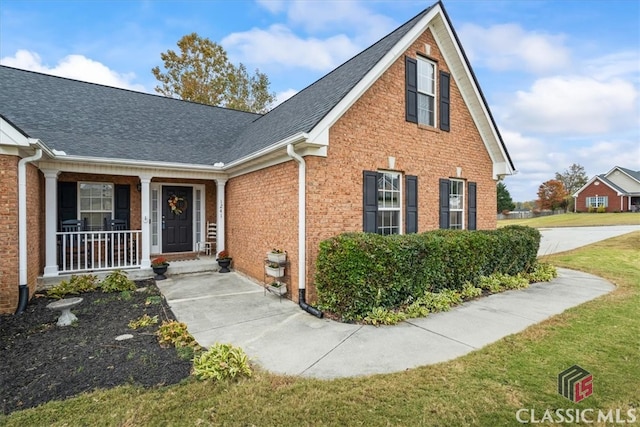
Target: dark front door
{"x": 177, "y": 219}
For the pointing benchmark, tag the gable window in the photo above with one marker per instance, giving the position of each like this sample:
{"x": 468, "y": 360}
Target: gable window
{"x": 384, "y": 201}
{"x": 426, "y": 92}
{"x": 96, "y": 203}
{"x": 597, "y": 201}
{"x": 454, "y": 203}
{"x": 420, "y": 84}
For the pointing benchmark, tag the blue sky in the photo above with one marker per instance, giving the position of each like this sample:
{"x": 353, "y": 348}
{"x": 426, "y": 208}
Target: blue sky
{"x": 561, "y": 77}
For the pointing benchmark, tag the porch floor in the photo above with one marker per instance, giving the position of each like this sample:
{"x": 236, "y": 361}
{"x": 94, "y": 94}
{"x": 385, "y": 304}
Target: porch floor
{"x": 202, "y": 264}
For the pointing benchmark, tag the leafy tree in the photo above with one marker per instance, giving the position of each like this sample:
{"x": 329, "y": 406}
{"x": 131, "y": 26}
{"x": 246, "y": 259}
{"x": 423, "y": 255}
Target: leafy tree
{"x": 505, "y": 203}
{"x": 552, "y": 195}
{"x": 202, "y": 73}
{"x": 573, "y": 179}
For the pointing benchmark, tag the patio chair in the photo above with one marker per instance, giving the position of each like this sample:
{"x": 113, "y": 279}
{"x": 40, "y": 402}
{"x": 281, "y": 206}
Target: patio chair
{"x": 211, "y": 233}
{"x": 71, "y": 247}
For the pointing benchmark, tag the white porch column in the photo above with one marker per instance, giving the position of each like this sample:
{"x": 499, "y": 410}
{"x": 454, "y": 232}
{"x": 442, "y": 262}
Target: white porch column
{"x": 51, "y": 217}
{"x": 145, "y": 214}
{"x": 220, "y": 214}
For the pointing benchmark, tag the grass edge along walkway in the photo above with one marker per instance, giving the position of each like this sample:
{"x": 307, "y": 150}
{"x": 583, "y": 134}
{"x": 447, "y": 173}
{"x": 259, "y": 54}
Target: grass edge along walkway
{"x": 486, "y": 387}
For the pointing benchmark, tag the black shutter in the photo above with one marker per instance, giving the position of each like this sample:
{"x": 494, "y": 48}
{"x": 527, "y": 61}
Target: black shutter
{"x": 472, "y": 206}
{"x": 411, "y": 82}
{"x": 444, "y": 203}
{"x": 67, "y": 201}
{"x": 370, "y": 202}
{"x": 445, "y": 119}
{"x": 122, "y": 197}
{"x": 411, "y": 192}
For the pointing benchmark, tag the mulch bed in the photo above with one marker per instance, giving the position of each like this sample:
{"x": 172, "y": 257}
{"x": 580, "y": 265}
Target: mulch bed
{"x": 43, "y": 362}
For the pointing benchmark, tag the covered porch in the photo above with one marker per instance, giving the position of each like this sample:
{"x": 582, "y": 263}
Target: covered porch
{"x": 99, "y": 218}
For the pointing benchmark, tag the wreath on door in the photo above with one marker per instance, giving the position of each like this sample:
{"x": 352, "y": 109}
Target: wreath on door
{"x": 177, "y": 204}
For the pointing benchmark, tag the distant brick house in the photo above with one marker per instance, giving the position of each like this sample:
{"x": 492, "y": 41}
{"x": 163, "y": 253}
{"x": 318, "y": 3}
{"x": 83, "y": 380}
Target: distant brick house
{"x": 617, "y": 191}
{"x": 398, "y": 139}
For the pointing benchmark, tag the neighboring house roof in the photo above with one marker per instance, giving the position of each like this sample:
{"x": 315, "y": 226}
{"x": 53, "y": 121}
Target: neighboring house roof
{"x": 91, "y": 120}
{"x": 603, "y": 178}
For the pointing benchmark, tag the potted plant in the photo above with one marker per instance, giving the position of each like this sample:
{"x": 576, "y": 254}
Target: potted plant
{"x": 274, "y": 269}
{"x": 224, "y": 261}
{"x": 159, "y": 266}
{"x": 277, "y": 255}
{"x": 278, "y": 288}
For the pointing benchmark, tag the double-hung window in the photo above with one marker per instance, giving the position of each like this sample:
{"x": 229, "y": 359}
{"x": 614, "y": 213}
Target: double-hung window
{"x": 96, "y": 203}
{"x": 389, "y": 203}
{"x": 456, "y": 204}
{"x": 426, "y": 92}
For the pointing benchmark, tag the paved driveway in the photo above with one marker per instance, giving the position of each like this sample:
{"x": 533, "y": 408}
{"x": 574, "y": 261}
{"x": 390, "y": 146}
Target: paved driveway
{"x": 566, "y": 238}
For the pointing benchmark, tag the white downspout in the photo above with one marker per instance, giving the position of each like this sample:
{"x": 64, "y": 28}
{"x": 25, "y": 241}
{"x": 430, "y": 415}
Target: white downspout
{"x": 23, "y": 286}
{"x": 302, "y": 216}
{"x": 302, "y": 232}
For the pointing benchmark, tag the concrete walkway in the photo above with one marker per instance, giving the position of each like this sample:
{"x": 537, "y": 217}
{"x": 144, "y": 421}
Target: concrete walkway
{"x": 282, "y": 338}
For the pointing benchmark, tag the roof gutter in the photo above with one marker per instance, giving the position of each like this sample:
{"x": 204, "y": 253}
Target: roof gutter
{"x": 298, "y": 137}
{"x": 302, "y": 232}
{"x": 23, "y": 286}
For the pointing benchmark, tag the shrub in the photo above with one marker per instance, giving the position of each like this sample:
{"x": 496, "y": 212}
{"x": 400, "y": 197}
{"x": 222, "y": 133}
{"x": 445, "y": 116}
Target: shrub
{"x": 221, "y": 362}
{"x": 543, "y": 272}
{"x": 601, "y": 209}
{"x": 499, "y": 282}
{"x": 175, "y": 334}
{"x": 469, "y": 291}
{"x": 75, "y": 286}
{"x": 357, "y": 272}
{"x": 117, "y": 281}
{"x": 383, "y": 316}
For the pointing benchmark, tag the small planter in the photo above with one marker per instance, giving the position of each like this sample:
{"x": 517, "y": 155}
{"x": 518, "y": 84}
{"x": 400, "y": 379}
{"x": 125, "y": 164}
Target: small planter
{"x": 274, "y": 271}
{"x": 279, "y": 289}
{"x": 224, "y": 264}
{"x": 159, "y": 271}
{"x": 279, "y": 257}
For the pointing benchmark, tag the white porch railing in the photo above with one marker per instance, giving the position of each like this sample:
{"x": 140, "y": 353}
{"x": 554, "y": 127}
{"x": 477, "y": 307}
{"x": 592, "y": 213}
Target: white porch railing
{"x": 80, "y": 251}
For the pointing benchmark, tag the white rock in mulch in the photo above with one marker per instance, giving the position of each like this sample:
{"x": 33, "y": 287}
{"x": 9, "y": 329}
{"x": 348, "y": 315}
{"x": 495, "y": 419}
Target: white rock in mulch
{"x": 124, "y": 337}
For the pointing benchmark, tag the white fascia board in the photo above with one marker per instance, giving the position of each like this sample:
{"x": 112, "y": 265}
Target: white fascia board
{"x": 293, "y": 139}
{"x": 621, "y": 171}
{"x": 461, "y": 73}
{"x": 592, "y": 180}
{"x": 11, "y": 136}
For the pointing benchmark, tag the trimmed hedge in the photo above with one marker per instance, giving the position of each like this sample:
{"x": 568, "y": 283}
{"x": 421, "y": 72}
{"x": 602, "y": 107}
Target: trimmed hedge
{"x": 357, "y": 272}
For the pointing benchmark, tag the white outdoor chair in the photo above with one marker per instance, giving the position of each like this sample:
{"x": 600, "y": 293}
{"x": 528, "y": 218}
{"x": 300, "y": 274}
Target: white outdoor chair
{"x": 210, "y": 238}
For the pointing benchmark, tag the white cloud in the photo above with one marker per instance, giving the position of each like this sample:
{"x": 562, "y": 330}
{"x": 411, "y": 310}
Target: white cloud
{"x": 74, "y": 67}
{"x": 509, "y": 47}
{"x": 575, "y": 105}
{"x": 616, "y": 64}
{"x": 279, "y": 45}
{"x": 273, "y": 6}
{"x": 283, "y": 96}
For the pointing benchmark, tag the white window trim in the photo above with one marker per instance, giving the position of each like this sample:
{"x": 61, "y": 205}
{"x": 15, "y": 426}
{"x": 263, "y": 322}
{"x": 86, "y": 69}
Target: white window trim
{"x": 79, "y": 200}
{"x": 596, "y": 201}
{"x": 464, "y": 199}
{"x": 400, "y": 201}
{"x": 423, "y": 92}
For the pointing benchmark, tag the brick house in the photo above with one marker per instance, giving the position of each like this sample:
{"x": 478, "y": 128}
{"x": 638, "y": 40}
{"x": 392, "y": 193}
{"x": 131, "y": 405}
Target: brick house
{"x": 617, "y": 190}
{"x": 398, "y": 139}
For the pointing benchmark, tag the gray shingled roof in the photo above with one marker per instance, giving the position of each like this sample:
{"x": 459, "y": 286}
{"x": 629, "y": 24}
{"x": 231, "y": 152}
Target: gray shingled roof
{"x": 86, "y": 119}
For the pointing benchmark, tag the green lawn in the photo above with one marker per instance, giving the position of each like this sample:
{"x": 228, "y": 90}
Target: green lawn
{"x": 484, "y": 388}
{"x": 576, "y": 220}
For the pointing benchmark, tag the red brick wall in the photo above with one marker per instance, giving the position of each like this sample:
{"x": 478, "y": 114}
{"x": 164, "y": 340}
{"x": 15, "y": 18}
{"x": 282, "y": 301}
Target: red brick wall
{"x": 373, "y": 129}
{"x": 35, "y": 226}
{"x": 261, "y": 214}
{"x": 601, "y": 190}
{"x": 9, "y": 267}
